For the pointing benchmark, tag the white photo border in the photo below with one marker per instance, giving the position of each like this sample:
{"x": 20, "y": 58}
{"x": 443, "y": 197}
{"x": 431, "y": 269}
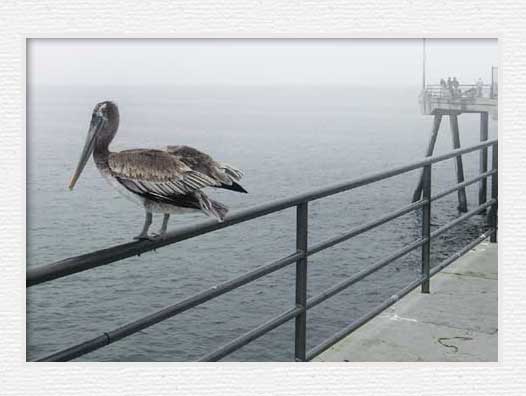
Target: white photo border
{"x": 265, "y": 19}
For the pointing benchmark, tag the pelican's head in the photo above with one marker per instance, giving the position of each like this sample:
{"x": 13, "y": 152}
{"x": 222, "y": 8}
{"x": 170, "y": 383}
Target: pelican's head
{"x": 103, "y": 126}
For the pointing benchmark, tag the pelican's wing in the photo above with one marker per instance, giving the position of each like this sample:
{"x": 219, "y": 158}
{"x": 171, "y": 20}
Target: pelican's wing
{"x": 156, "y": 173}
{"x": 202, "y": 162}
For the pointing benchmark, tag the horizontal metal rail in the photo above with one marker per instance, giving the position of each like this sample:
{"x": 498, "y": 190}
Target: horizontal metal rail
{"x": 460, "y": 219}
{"x": 323, "y": 346}
{"x": 365, "y": 227}
{"x": 361, "y": 321}
{"x": 436, "y": 90}
{"x": 252, "y": 335}
{"x": 458, "y": 186}
{"x": 169, "y": 311}
{"x": 313, "y": 301}
{"x": 461, "y": 252}
{"x": 59, "y": 269}
{"x": 487, "y": 85}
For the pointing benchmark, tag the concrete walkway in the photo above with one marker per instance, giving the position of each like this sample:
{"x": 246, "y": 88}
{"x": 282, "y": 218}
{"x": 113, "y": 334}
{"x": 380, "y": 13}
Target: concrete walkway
{"x": 457, "y": 321}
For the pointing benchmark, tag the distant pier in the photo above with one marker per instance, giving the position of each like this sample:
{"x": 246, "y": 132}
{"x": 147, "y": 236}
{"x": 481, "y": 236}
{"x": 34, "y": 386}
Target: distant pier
{"x": 438, "y": 100}
{"x": 452, "y": 100}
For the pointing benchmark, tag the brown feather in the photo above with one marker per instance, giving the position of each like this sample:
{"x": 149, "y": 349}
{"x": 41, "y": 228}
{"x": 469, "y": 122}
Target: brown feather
{"x": 157, "y": 173}
{"x": 147, "y": 165}
{"x": 205, "y": 164}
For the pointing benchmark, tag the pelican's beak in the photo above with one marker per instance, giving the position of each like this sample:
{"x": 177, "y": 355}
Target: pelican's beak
{"x": 96, "y": 125}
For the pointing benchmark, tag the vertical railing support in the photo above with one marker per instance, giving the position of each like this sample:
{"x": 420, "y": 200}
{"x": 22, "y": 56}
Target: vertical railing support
{"x": 483, "y": 159}
{"x": 426, "y": 227}
{"x": 493, "y": 216}
{"x": 301, "y": 282}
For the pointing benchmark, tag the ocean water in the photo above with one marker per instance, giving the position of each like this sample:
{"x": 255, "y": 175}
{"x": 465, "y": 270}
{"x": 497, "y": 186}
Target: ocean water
{"x": 287, "y": 140}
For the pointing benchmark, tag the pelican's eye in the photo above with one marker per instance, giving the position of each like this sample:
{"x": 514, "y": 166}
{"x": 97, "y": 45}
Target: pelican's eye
{"x": 102, "y": 112}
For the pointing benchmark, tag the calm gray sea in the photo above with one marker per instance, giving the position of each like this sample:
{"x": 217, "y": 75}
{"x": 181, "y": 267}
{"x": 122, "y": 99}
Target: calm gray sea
{"x": 287, "y": 140}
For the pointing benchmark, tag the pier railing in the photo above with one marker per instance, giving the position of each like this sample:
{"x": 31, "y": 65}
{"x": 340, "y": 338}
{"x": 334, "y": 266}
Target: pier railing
{"x": 299, "y": 257}
{"x": 464, "y": 92}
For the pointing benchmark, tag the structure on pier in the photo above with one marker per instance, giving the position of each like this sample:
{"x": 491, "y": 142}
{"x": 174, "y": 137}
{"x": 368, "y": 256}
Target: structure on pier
{"x": 441, "y": 100}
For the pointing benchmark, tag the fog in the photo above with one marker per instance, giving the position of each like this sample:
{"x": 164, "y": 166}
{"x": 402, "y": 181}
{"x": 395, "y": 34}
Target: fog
{"x": 256, "y": 61}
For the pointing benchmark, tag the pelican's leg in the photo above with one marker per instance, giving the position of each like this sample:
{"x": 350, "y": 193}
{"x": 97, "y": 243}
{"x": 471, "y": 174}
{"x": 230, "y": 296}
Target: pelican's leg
{"x": 147, "y": 223}
{"x": 163, "y": 228}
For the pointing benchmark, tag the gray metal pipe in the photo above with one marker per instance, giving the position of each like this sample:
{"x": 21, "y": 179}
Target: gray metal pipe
{"x": 251, "y": 335}
{"x": 339, "y": 287}
{"x": 461, "y": 252}
{"x": 365, "y": 227}
{"x": 169, "y": 311}
{"x": 463, "y": 184}
{"x": 460, "y": 219}
{"x": 361, "y": 321}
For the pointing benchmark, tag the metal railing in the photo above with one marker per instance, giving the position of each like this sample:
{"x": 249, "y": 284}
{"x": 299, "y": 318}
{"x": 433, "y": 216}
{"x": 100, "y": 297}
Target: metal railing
{"x": 300, "y": 256}
{"x": 464, "y": 92}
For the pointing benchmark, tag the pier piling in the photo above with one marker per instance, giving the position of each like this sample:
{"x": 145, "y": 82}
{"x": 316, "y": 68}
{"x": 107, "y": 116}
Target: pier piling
{"x": 455, "y": 135}
{"x": 430, "y": 148}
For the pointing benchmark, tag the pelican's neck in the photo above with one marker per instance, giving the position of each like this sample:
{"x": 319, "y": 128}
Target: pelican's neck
{"x": 101, "y": 153}
{"x": 106, "y": 134}
{"x": 102, "y": 144}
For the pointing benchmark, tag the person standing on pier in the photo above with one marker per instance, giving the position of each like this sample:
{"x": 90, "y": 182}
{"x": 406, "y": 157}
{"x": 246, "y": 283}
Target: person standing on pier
{"x": 450, "y": 86}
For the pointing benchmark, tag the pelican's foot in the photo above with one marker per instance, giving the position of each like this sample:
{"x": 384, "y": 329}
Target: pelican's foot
{"x": 159, "y": 235}
{"x": 144, "y": 237}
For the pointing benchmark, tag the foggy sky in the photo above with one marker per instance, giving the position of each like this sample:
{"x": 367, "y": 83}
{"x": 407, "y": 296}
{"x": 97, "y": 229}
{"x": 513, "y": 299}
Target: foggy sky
{"x": 261, "y": 62}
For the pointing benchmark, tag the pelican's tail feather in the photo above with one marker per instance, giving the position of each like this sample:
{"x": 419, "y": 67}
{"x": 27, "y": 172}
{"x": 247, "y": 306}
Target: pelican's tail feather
{"x": 211, "y": 207}
{"x": 234, "y": 187}
{"x": 220, "y": 210}
{"x": 232, "y": 172}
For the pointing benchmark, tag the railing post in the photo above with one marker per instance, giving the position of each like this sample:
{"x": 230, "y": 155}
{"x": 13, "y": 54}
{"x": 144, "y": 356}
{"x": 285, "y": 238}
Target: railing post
{"x": 426, "y": 227}
{"x": 300, "y": 341}
{"x": 483, "y": 159}
{"x": 493, "y": 218}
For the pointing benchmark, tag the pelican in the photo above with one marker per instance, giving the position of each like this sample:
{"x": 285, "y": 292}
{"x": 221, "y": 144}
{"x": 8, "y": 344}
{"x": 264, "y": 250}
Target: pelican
{"x": 166, "y": 181}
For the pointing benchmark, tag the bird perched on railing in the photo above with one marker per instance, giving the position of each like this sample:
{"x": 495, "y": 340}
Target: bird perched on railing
{"x": 161, "y": 181}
